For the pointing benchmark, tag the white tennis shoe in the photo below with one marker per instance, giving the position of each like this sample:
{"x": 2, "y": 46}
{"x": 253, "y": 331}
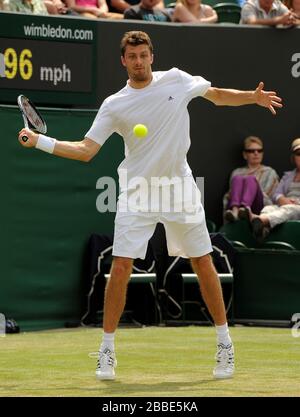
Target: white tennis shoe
{"x": 225, "y": 361}
{"x": 106, "y": 365}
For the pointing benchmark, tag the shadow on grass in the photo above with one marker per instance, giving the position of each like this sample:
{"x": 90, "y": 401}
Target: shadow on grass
{"x": 117, "y": 387}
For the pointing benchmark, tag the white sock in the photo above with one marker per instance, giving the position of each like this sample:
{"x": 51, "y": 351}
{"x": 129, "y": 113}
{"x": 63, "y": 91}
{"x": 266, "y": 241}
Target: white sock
{"x": 108, "y": 341}
{"x": 223, "y": 334}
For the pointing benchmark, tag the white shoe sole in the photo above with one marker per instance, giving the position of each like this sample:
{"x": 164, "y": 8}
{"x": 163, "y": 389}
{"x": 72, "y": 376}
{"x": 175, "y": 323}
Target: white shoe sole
{"x": 223, "y": 376}
{"x": 105, "y": 376}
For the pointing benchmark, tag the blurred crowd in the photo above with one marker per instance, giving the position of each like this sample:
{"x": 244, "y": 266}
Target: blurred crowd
{"x": 252, "y": 12}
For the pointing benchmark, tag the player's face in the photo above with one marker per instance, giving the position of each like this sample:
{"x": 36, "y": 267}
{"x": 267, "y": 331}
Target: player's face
{"x": 138, "y": 60}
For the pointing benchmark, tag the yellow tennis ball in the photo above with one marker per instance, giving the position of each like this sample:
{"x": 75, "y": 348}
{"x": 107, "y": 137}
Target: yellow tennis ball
{"x": 140, "y": 131}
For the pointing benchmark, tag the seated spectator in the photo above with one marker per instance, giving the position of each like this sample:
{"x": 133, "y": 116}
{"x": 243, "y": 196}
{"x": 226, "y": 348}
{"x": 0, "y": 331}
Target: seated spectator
{"x": 251, "y": 186}
{"x": 92, "y": 8}
{"x": 286, "y": 198}
{"x": 56, "y": 7}
{"x": 26, "y": 6}
{"x": 266, "y": 12}
{"x": 193, "y": 11}
{"x": 119, "y": 6}
{"x": 146, "y": 10}
{"x": 294, "y": 7}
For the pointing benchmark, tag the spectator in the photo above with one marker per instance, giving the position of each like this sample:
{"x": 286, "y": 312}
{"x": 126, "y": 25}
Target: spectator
{"x": 294, "y": 7}
{"x": 266, "y": 12}
{"x": 193, "y": 11}
{"x": 252, "y": 186}
{"x": 56, "y": 7}
{"x": 119, "y": 6}
{"x": 93, "y": 9}
{"x": 26, "y": 6}
{"x": 146, "y": 10}
{"x": 1, "y": 5}
{"x": 286, "y": 198}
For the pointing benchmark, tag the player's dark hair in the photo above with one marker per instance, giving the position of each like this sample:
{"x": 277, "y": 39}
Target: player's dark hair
{"x": 135, "y": 38}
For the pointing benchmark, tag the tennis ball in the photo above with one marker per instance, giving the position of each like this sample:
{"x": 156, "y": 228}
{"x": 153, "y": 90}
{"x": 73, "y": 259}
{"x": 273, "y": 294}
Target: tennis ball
{"x": 140, "y": 131}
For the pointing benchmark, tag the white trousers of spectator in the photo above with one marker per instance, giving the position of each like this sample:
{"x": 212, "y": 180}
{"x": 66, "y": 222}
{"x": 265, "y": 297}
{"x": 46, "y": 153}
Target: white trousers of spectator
{"x": 280, "y": 214}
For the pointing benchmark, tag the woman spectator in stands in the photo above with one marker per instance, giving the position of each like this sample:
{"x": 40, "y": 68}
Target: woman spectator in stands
{"x": 57, "y": 7}
{"x": 193, "y": 11}
{"x": 26, "y": 6}
{"x": 286, "y": 200}
{"x": 251, "y": 186}
{"x": 119, "y": 6}
{"x": 92, "y": 8}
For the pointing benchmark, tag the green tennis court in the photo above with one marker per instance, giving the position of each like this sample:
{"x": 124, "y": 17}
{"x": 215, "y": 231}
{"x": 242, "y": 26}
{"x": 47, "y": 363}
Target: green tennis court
{"x": 152, "y": 362}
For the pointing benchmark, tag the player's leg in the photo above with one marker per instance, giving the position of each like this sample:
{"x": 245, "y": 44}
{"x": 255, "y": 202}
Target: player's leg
{"x": 114, "y": 303}
{"x": 132, "y": 233}
{"x": 115, "y": 292}
{"x": 210, "y": 288}
{"x": 192, "y": 240}
{"x": 211, "y": 291}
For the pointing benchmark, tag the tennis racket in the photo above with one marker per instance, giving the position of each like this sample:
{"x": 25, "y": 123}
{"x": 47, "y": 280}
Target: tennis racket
{"x": 32, "y": 118}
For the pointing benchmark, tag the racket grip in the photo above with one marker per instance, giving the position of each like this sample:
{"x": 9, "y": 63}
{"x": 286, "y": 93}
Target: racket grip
{"x": 24, "y": 138}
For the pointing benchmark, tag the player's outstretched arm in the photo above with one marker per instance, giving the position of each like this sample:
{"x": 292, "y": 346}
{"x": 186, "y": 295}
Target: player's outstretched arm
{"x": 83, "y": 150}
{"x": 229, "y": 97}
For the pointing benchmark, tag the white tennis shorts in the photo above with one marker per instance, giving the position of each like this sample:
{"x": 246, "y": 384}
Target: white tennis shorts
{"x": 186, "y": 232}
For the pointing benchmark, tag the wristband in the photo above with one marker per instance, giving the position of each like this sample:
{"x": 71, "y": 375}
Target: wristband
{"x": 45, "y": 143}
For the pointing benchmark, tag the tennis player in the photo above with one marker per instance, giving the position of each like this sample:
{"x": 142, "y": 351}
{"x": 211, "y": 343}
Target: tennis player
{"x": 159, "y": 101}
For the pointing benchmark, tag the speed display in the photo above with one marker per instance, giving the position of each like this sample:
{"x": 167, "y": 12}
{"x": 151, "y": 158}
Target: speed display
{"x": 44, "y": 65}
{"x": 51, "y": 60}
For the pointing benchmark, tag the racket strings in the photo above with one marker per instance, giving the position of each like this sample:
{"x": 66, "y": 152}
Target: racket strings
{"x": 33, "y": 117}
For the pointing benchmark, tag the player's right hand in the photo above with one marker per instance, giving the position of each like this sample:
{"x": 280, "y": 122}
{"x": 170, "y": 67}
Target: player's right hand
{"x": 32, "y": 138}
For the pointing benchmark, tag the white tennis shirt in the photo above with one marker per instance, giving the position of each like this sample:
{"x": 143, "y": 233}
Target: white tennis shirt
{"x": 162, "y": 107}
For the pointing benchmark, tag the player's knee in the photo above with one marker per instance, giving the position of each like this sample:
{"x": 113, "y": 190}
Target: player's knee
{"x": 121, "y": 267}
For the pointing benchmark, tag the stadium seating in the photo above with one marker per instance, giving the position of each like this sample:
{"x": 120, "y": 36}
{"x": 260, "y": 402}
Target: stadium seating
{"x": 266, "y": 286}
{"x": 212, "y": 3}
{"x": 288, "y": 233}
{"x": 226, "y": 278}
{"x": 275, "y": 244}
{"x": 211, "y": 226}
{"x": 228, "y": 12}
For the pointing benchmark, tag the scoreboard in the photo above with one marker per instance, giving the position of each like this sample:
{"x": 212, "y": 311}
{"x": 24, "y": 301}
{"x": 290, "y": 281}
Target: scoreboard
{"x": 53, "y": 63}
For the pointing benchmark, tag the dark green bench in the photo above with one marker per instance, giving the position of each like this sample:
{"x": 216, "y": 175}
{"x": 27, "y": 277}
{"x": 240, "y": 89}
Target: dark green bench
{"x": 191, "y": 278}
{"x": 146, "y": 278}
{"x": 288, "y": 232}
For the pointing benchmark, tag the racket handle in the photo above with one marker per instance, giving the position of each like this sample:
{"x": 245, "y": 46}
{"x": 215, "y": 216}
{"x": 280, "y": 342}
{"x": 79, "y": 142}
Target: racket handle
{"x": 24, "y": 138}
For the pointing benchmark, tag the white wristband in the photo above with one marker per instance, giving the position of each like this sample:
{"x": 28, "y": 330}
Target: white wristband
{"x": 45, "y": 143}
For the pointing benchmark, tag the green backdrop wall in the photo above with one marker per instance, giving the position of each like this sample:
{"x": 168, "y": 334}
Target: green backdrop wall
{"x": 48, "y": 204}
{"x": 48, "y": 211}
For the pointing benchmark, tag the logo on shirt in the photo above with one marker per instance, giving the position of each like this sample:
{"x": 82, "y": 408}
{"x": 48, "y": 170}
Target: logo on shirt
{"x": 170, "y": 98}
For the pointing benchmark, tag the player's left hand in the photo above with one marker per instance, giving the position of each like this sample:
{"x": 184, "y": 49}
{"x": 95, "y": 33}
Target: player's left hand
{"x": 267, "y": 99}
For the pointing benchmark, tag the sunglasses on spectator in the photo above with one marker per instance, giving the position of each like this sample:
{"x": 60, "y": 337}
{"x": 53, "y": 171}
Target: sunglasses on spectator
{"x": 297, "y": 153}
{"x": 254, "y": 150}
